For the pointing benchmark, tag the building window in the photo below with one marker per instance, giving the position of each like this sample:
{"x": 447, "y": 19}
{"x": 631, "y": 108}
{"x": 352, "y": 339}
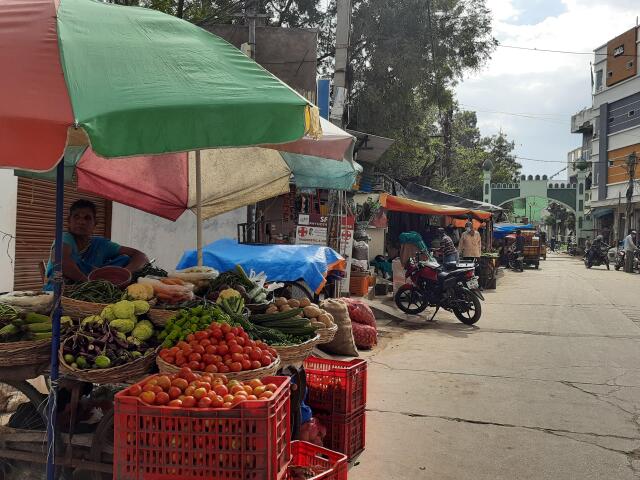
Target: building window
{"x": 580, "y": 222}
{"x": 610, "y": 74}
{"x": 632, "y": 113}
{"x": 612, "y": 119}
{"x": 486, "y": 189}
{"x": 630, "y": 65}
{"x": 581, "y": 189}
{"x": 580, "y": 205}
{"x": 598, "y": 80}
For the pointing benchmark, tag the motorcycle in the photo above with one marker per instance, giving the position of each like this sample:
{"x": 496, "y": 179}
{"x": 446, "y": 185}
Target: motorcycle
{"x": 453, "y": 287}
{"x": 620, "y": 256}
{"x": 516, "y": 261}
{"x": 596, "y": 256}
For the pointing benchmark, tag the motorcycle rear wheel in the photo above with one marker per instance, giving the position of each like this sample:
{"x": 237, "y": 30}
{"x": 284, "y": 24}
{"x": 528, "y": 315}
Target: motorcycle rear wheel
{"x": 474, "y": 309}
{"x": 410, "y": 300}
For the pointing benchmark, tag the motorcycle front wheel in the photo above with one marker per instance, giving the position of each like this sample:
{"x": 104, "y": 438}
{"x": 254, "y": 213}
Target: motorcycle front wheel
{"x": 410, "y": 300}
{"x": 471, "y": 311}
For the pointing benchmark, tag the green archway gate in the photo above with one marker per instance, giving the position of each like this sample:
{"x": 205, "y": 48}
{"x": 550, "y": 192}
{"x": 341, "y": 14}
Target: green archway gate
{"x": 570, "y": 195}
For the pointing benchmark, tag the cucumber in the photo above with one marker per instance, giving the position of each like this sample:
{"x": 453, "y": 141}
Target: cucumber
{"x": 36, "y": 318}
{"x": 287, "y": 322}
{"x": 268, "y": 317}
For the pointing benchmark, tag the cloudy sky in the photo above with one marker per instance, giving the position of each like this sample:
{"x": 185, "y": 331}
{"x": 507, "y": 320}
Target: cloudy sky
{"x": 532, "y": 95}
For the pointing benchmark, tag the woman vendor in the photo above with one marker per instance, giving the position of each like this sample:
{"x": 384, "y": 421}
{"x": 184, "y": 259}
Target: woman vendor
{"x": 82, "y": 252}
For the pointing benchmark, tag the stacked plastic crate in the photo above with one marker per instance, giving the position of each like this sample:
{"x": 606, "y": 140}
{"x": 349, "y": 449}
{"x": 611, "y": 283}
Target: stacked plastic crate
{"x": 338, "y": 397}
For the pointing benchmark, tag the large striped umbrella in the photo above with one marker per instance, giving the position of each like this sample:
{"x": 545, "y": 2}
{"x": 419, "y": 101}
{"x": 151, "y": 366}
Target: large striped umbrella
{"x": 128, "y": 82}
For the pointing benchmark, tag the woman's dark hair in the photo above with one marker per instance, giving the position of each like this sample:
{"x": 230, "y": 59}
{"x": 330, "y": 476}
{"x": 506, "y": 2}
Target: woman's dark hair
{"x": 82, "y": 203}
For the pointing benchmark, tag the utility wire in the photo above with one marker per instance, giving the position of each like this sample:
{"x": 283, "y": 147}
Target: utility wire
{"x": 566, "y": 52}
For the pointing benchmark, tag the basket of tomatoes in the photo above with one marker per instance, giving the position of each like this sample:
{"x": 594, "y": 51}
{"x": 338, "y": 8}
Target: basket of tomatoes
{"x": 187, "y": 425}
{"x": 221, "y": 349}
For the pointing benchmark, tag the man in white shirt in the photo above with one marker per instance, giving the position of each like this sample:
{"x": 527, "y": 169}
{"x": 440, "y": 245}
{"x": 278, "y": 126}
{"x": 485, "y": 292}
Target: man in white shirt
{"x": 629, "y": 250}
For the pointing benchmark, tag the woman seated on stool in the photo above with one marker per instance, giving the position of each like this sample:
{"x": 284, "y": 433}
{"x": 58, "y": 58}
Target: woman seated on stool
{"x": 82, "y": 252}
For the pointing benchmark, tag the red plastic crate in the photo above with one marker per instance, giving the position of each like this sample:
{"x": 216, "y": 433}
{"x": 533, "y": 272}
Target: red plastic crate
{"x": 250, "y": 441}
{"x": 345, "y": 433}
{"x": 335, "y": 386}
{"x": 326, "y": 464}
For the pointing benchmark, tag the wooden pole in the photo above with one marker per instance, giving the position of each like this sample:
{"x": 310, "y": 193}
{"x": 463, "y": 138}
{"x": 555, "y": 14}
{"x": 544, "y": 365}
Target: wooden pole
{"x": 199, "y": 206}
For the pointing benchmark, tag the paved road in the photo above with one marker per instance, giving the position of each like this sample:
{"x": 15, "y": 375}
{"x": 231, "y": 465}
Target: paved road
{"x": 547, "y": 386}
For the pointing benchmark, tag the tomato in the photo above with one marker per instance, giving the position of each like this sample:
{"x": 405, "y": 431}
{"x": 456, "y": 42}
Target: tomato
{"x": 241, "y": 341}
{"x": 266, "y": 394}
{"x": 235, "y": 349}
{"x": 180, "y": 344}
{"x": 228, "y": 398}
{"x": 256, "y": 353}
{"x": 148, "y": 388}
{"x": 246, "y": 364}
{"x": 221, "y": 390}
{"x": 237, "y": 388}
{"x": 259, "y": 390}
{"x": 235, "y": 367}
{"x": 237, "y": 400}
{"x": 174, "y": 392}
{"x": 229, "y": 336}
{"x": 204, "y": 402}
{"x": 186, "y": 351}
{"x": 208, "y": 358}
{"x": 225, "y": 327}
{"x": 191, "y": 337}
{"x": 170, "y": 359}
{"x": 200, "y": 335}
{"x": 272, "y": 352}
{"x": 265, "y": 360}
{"x": 181, "y": 383}
{"x": 224, "y": 379}
{"x": 255, "y": 364}
{"x": 211, "y": 349}
{"x": 198, "y": 349}
{"x": 248, "y": 389}
{"x": 148, "y": 397}
{"x": 205, "y": 385}
{"x": 194, "y": 365}
{"x": 162, "y": 398}
{"x": 205, "y": 342}
{"x": 195, "y": 357}
{"x": 224, "y": 369}
{"x": 245, "y": 356}
{"x": 202, "y": 366}
{"x": 256, "y": 382}
{"x": 232, "y": 342}
{"x": 189, "y": 390}
{"x": 173, "y": 350}
{"x": 272, "y": 387}
{"x": 188, "y": 401}
{"x": 227, "y": 405}
{"x": 217, "y": 402}
{"x": 237, "y": 357}
{"x": 135, "y": 390}
{"x": 217, "y": 333}
{"x": 175, "y": 403}
{"x": 223, "y": 350}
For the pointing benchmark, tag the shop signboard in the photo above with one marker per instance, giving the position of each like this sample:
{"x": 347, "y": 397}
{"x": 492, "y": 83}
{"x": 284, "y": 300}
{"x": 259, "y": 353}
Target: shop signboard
{"x": 311, "y": 230}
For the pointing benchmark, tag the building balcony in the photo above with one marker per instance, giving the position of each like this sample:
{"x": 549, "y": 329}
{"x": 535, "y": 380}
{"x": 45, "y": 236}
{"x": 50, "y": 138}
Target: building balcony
{"x": 582, "y": 122}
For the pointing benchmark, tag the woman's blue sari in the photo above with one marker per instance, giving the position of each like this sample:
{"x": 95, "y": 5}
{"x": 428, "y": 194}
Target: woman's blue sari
{"x": 100, "y": 252}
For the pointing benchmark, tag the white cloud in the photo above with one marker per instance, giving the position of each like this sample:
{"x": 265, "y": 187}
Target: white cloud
{"x": 522, "y": 81}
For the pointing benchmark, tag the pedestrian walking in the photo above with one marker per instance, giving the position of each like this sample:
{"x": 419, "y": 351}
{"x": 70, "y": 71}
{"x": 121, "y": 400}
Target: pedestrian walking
{"x": 449, "y": 252}
{"x": 629, "y": 251}
{"x": 470, "y": 245}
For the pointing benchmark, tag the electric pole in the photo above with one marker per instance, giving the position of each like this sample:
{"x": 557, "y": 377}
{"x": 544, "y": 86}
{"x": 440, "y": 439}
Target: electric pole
{"x": 632, "y": 160}
{"x": 251, "y": 13}
{"x": 340, "y": 92}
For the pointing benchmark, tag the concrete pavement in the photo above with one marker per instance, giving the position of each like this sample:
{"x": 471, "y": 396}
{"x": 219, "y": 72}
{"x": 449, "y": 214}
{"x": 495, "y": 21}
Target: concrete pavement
{"x": 545, "y": 386}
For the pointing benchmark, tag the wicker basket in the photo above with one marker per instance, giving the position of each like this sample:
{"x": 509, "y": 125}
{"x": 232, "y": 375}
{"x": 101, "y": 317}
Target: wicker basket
{"x": 295, "y": 354}
{"x": 240, "y": 376}
{"x": 127, "y": 373}
{"x": 159, "y": 316}
{"x": 77, "y": 309}
{"x": 327, "y": 334}
{"x": 32, "y": 352}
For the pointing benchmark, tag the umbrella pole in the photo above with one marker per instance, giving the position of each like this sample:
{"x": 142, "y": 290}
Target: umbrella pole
{"x": 57, "y": 312}
{"x": 199, "y": 206}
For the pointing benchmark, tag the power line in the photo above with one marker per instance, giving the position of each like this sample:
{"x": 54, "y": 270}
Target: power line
{"x": 566, "y": 52}
{"x": 518, "y": 113}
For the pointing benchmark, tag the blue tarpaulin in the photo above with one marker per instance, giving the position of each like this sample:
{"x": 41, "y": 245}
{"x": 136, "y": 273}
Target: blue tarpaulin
{"x": 312, "y": 172}
{"x": 279, "y": 262}
{"x": 501, "y": 230}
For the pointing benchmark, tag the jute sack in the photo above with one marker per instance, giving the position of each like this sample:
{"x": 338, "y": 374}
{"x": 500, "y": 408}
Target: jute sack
{"x": 342, "y": 343}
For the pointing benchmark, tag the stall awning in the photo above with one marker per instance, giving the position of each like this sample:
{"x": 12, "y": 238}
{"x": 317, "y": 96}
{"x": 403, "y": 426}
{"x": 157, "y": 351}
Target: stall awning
{"x": 601, "y": 212}
{"x": 399, "y": 204}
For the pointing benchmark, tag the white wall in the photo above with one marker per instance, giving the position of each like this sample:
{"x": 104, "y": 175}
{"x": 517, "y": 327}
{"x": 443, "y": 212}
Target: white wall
{"x": 624, "y": 138}
{"x": 165, "y": 240}
{"x": 8, "y": 206}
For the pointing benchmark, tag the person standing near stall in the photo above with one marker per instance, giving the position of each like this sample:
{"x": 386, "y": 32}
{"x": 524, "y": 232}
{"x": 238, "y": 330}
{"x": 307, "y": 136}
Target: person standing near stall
{"x": 629, "y": 251}
{"x": 470, "y": 245}
{"x": 82, "y": 252}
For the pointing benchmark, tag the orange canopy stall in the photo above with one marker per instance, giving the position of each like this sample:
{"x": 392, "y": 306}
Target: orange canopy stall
{"x": 406, "y": 205}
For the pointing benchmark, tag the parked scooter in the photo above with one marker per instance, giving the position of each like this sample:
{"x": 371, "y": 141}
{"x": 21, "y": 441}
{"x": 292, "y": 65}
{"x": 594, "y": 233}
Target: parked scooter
{"x": 452, "y": 287}
{"x": 516, "y": 261}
